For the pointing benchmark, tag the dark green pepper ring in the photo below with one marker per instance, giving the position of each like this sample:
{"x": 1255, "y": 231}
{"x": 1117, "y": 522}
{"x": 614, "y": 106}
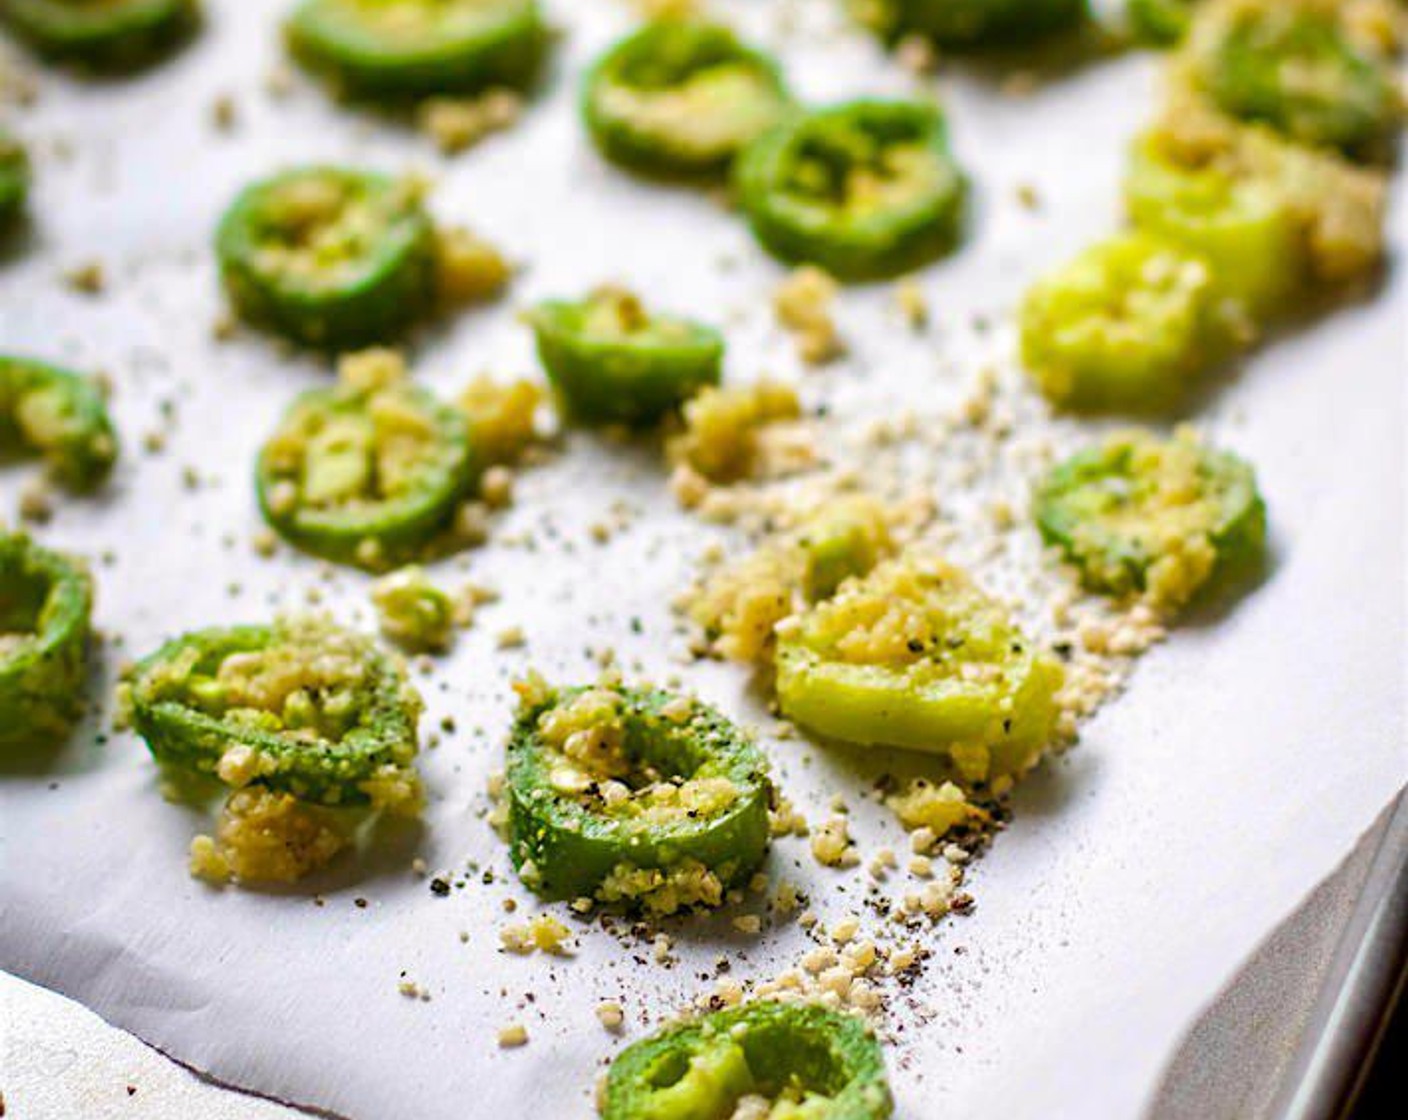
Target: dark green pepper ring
{"x": 329, "y": 256}
{"x": 680, "y": 98}
{"x": 14, "y": 178}
{"x": 1161, "y": 22}
{"x": 1136, "y": 511}
{"x": 971, "y": 24}
{"x": 867, "y": 190}
{"x": 634, "y": 796}
{"x": 365, "y": 472}
{"x": 110, "y": 34}
{"x": 45, "y": 603}
{"x": 414, "y": 48}
{"x": 807, "y": 1061}
{"x": 612, "y": 361}
{"x": 300, "y": 706}
{"x": 1292, "y": 66}
{"x": 60, "y": 415}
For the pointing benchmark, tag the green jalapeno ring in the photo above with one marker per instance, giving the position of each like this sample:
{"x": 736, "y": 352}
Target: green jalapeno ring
{"x": 1254, "y": 61}
{"x": 567, "y": 838}
{"x": 59, "y": 414}
{"x": 462, "y": 46}
{"x": 1161, "y": 22}
{"x": 314, "y": 475}
{"x": 1123, "y": 327}
{"x": 809, "y": 1062}
{"x": 1244, "y": 228}
{"x": 1107, "y": 514}
{"x": 116, "y": 34}
{"x": 331, "y": 257}
{"x": 177, "y": 699}
{"x": 612, "y": 361}
{"x": 680, "y": 98}
{"x": 867, "y": 189}
{"x": 970, "y": 24}
{"x": 46, "y": 600}
{"x": 954, "y": 677}
{"x": 14, "y": 178}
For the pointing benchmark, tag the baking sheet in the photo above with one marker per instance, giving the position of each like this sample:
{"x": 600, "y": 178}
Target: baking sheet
{"x": 1250, "y": 753}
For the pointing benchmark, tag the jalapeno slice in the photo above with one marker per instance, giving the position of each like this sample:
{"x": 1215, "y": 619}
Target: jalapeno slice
{"x": 58, "y": 415}
{"x": 959, "y": 24}
{"x": 104, "y": 33}
{"x": 299, "y": 706}
{"x": 613, "y": 361}
{"x": 680, "y": 98}
{"x": 1291, "y": 65}
{"x": 14, "y": 178}
{"x": 1161, "y": 516}
{"x": 633, "y": 796}
{"x": 915, "y": 655}
{"x": 1244, "y": 227}
{"x": 866, "y": 190}
{"x": 46, "y": 600}
{"x": 366, "y": 471}
{"x": 419, "y": 47}
{"x": 793, "y": 1061}
{"x": 329, "y": 256}
{"x": 1339, "y": 208}
{"x": 1161, "y": 22}
{"x": 1123, "y": 327}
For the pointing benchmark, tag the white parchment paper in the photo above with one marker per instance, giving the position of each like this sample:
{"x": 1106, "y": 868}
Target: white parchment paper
{"x": 1250, "y": 753}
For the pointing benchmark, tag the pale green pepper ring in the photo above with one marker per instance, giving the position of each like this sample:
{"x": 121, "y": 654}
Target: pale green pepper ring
{"x": 365, "y": 475}
{"x": 59, "y": 415}
{"x": 679, "y": 98}
{"x": 806, "y": 1061}
{"x": 914, "y": 655}
{"x": 1243, "y": 227}
{"x": 300, "y": 706}
{"x": 329, "y": 256}
{"x": 46, "y": 600}
{"x": 1119, "y": 508}
{"x": 971, "y": 24}
{"x": 109, "y": 34}
{"x": 14, "y": 178}
{"x": 1123, "y": 327}
{"x": 611, "y": 360}
{"x": 416, "y": 48}
{"x": 866, "y": 190}
{"x": 1161, "y": 22}
{"x": 686, "y": 789}
{"x": 1295, "y": 69}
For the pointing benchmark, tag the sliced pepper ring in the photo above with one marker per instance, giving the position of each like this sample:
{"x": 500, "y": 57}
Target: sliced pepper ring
{"x": 633, "y": 796}
{"x": 959, "y": 24}
{"x": 46, "y": 600}
{"x": 111, "y": 34}
{"x": 1244, "y": 227}
{"x": 329, "y": 256}
{"x": 59, "y": 415}
{"x": 805, "y": 1061}
{"x": 420, "y": 47}
{"x": 1292, "y": 66}
{"x": 866, "y": 190}
{"x": 365, "y": 473}
{"x": 1138, "y": 513}
{"x": 680, "y": 98}
{"x": 300, "y": 706}
{"x": 612, "y": 361}
{"x": 1161, "y": 22}
{"x": 1122, "y": 327}
{"x": 914, "y": 655}
{"x": 14, "y": 178}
